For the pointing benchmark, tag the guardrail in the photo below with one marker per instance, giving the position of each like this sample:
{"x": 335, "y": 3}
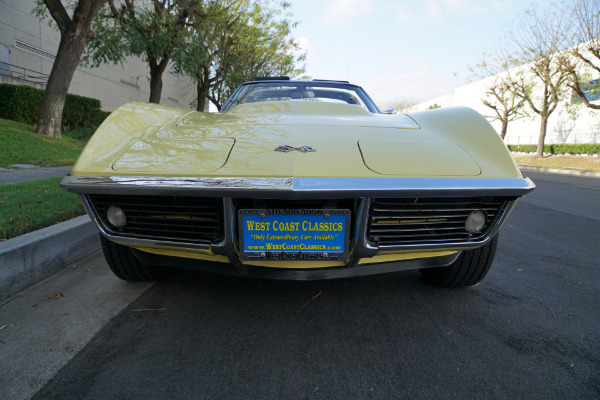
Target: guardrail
{"x": 552, "y": 137}
{"x": 26, "y": 74}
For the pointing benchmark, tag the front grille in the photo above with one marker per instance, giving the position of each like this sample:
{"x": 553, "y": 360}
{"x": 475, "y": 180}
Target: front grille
{"x": 172, "y": 218}
{"x": 417, "y": 221}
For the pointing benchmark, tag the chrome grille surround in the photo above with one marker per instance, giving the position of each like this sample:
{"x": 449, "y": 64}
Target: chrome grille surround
{"x": 197, "y": 221}
{"x": 399, "y": 223}
{"x": 226, "y": 191}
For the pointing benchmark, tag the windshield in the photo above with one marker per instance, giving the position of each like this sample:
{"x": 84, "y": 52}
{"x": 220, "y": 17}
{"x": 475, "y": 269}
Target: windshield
{"x": 254, "y": 92}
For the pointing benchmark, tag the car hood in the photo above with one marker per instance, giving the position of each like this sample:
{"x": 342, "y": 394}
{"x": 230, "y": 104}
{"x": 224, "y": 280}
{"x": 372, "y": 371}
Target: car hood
{"x": 348, "y": 141}
{"x": 245, "y": 140}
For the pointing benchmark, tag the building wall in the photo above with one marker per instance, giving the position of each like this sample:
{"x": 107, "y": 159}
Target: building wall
{"x": 32, "y": 45}
{"x": 568, "y": 124}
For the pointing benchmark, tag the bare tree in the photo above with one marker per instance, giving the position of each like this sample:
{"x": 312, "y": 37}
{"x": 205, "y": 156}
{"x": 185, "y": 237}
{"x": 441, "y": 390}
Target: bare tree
{"x": 500, "y": 96}
{"x": 504, "y": 103}
{"x": 75, "y": 34}
{"x": 583, "y": 41}
{"x": 540, "y": 80}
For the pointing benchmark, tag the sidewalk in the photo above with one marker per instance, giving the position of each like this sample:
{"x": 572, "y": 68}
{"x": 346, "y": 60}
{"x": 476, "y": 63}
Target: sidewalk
{"x": 29, "y": 174}
{"x": 43, "y": 327}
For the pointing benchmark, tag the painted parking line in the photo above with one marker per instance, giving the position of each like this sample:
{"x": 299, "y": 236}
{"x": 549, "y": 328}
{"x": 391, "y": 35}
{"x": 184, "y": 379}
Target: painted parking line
{"x": 588, "y": 187}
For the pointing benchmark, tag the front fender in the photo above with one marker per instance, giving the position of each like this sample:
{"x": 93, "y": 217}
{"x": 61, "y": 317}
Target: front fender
{"x": 126, "y": 124}
{"x": 468, "y": 129}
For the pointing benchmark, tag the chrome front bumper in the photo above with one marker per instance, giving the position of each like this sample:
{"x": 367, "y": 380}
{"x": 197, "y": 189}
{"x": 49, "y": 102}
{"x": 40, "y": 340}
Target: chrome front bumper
{"x": 363, "y": 189}
{"x": 298, "y": 188}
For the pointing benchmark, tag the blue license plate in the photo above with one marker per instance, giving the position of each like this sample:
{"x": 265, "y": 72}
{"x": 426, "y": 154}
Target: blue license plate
{"x": 293, "y": 235}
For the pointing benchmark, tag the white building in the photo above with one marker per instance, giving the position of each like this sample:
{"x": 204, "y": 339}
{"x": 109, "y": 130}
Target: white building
{"x": 28, "y": 47}
{"x": 563, "y": 125}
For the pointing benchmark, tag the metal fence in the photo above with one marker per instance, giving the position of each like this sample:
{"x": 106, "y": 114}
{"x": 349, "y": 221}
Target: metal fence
{"x": 574, "y": 136}
{"x": 23, "y": 73}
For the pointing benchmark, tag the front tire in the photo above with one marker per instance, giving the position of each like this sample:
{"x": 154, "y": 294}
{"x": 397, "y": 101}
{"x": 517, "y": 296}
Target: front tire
{"x": 123, "y": 263}
{"x": 468, "y": 270}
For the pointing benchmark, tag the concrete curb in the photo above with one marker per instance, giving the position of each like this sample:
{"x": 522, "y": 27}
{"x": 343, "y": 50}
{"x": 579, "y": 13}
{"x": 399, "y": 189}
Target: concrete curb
{"x": 560, "y": 171}
{"x": 31, "y": 257}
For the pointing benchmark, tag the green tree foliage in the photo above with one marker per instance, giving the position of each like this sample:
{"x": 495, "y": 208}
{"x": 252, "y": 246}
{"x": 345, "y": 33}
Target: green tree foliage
{"x": 218, "y": 43}
{"x": 157, "y": 31}
{"x": 237, "y": 41}
{"x": 265, "y": 48}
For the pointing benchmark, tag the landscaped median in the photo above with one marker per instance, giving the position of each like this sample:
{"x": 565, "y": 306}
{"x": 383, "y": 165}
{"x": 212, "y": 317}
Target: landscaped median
{"x": 27, "y": 206}
{"x": 32, "y": 205}
{"x": 564, "y": 162}
{"x": 31, "y": 212}
{"x": 581, "y": 157}
{"x": 19, "y": 144}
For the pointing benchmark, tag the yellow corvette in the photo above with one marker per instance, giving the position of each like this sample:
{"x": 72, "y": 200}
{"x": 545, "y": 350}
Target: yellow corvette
{"x": 298, "y": 180}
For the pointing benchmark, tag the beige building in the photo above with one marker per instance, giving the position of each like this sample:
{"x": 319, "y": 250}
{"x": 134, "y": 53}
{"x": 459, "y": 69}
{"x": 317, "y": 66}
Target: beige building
{"x": 570, "y": 123}
{"x": 28, "y": 47}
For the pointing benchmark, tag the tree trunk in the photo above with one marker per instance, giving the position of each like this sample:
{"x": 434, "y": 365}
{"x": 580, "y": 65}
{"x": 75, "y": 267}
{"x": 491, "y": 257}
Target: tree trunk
{"x": 542, "y": 137}
{"x": 74, "y": 37}
{"x": 503, "y": 129}
{"x": 202, "y": 97}
{"x": 155, "y": 82}
{"x": 66, "y": 62}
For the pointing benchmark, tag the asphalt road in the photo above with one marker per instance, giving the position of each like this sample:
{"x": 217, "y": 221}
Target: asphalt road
{"x": 530, "y": 330}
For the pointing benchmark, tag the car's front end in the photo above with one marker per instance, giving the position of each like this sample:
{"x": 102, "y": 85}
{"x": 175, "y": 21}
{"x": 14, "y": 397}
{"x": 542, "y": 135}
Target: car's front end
{"x": 296, "y": 189}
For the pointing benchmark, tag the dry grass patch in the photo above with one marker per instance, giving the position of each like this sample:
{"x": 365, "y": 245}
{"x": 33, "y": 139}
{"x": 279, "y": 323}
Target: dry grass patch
{"x": 583, "y": 163}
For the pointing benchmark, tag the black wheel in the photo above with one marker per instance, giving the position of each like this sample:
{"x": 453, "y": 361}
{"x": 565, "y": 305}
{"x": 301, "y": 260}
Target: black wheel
{"x": 468, "y": 270}
{"x": 123, "y": 263}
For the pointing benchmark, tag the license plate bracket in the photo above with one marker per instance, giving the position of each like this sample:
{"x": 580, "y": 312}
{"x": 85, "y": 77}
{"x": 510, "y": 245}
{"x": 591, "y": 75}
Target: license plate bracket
{"x": 294, "y": 234}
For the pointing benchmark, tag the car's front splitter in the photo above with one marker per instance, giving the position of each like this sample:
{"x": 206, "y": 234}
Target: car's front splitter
{"x": 294, "y": 274}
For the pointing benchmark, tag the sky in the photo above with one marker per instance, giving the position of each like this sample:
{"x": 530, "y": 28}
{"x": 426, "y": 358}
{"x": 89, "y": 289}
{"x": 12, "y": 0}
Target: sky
{"x": 403, "y": 49}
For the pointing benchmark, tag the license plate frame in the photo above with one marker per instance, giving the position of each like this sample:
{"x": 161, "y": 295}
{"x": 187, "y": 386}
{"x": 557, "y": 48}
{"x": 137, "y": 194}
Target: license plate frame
{"x": 294, "y": 234}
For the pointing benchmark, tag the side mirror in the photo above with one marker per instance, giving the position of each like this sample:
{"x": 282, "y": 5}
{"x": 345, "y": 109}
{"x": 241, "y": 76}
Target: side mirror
{"x": 390, "y": 111}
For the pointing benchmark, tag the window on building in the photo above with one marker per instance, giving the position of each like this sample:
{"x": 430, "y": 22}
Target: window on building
{"x": 4, "y": 59}
{"x": 591, "y": 90}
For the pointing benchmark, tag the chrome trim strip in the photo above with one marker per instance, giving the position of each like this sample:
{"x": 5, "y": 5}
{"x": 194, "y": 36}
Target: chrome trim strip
{"x": 298, "y": 188}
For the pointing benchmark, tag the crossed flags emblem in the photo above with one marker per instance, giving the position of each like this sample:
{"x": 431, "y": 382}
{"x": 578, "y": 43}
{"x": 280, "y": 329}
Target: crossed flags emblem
{"x": 286, "y": 148}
